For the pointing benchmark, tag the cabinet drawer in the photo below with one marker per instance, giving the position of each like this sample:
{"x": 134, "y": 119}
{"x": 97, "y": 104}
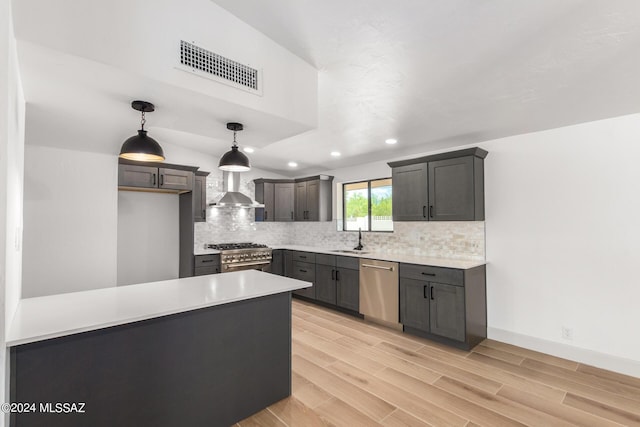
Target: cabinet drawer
{"x": 201, "y": 271}
{"x": 325, "y": 259}
{"x": 432, "y": 274}
{"x": 348, "y": 262}
{"x": 304, "y": 271}
{"x": 211, "y": 260}
{"x": 304, "y": 256}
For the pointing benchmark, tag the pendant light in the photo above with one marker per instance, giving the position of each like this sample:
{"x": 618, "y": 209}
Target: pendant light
{"x": 141, "y": 147}
{"x": 234, "y": 160}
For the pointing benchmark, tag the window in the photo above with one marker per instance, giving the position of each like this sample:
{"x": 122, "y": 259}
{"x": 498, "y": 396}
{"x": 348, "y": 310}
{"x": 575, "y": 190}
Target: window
{"x": 367, "y": 205}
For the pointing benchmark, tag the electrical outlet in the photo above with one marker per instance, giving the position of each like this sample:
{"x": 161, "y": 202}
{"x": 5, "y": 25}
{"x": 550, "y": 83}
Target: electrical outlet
{"x": 567, "y": 333}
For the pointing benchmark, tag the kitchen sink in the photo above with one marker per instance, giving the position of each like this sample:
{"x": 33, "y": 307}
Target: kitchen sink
{"x": 349, "y": 251}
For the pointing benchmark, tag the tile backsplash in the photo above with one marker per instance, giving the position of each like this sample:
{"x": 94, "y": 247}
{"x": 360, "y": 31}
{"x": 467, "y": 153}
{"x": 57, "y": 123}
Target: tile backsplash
{"x": 455, "y": 239}
{"x": 458, "y": 240}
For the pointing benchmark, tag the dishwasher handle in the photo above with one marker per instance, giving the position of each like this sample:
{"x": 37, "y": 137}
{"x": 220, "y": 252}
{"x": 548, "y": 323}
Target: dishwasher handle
{"x": 379, "y": 267}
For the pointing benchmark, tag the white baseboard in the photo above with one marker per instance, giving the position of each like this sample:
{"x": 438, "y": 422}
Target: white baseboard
{"x": 565, "y": 351}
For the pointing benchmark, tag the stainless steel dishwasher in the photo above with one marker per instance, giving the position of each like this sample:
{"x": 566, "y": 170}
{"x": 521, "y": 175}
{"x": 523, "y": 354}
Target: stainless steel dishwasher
{"x": 379, "y": 300}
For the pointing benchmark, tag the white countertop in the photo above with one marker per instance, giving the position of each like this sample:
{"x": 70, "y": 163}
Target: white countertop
{"x": 52, "y": 316}
{"x": 383, "y": 256}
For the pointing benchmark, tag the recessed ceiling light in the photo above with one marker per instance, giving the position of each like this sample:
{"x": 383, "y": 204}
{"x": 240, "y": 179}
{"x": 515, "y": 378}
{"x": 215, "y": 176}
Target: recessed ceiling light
{"x": 248, "y": 150}
{"x": 335, "y": 153}
{"x": 391, "y": 141}
{"x": 293, "y": 165}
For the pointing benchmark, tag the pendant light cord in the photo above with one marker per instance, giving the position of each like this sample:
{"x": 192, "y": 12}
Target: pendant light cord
{"x": 143, "y": 121}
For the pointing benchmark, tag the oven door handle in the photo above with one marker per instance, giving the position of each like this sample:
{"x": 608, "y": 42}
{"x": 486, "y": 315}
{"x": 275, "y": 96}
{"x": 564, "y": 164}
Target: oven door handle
{"x": 244, "y": 264}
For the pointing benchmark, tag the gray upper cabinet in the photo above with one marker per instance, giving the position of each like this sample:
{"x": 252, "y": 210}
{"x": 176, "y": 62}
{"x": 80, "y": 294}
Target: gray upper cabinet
{"x": 441, "y": 187}
{"x": 283, "y": 201}
{"x": 144, "y": 175}
{"x": 410, "y": 192}
{"x": 313, "y": 198}
{"x": 303, "y": 199}
{"x": 200, "y": 196}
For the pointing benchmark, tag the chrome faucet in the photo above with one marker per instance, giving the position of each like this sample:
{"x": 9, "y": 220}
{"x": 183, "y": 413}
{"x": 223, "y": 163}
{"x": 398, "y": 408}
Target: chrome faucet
{"x": 359, "y": 247}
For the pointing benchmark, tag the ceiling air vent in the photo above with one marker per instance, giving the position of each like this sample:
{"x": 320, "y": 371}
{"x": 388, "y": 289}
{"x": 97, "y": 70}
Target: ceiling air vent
{"x": 216, "y": 67}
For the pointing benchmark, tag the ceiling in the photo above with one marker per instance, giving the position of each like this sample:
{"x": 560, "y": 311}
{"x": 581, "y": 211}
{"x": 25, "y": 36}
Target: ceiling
{"x": 432, "y": 74}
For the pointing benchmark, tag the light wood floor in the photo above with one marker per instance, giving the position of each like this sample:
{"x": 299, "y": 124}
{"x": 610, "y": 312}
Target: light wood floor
{"x": 347, "y": 372}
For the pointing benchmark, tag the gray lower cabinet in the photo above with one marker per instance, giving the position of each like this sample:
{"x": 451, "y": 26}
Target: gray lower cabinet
{"x": 277, "y": 262}
{"x": 305, "y": 271}
{"x": 440, "y": 187}
{"x": 336, "y": 279}
{"x": 326, "y": 283}
{"x": 348, "y": 288}
{"x": 447, "y": 305}
{"x": 207, "y": 264}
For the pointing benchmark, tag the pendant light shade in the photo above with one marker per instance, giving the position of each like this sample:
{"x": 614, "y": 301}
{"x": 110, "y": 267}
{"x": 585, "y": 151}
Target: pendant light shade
{"x": 142, "y": 147}
{"x": 234, "y": 160}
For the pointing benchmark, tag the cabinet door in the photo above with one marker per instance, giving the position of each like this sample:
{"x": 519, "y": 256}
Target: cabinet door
{"x": 325, "y": 283}
{"x": 283, "y": 202}
{"x": 410, "y": 192}
{"x": 268, "y": 201}
{"x": 301, "y": 201}
{"x": 414, "y": 304}
{"x": 451, "y": 190}
{"x": 313, "y": 200}
{"x": 287, "y": 268}
{"x": 348, "y": 288}
{"x": 137, "y": 176}
{"x": 307, "y": 272}
{"x": 175, "y": 179}
{"x": 199, "y": 198}
{"x": 447, "y": 311}
{"x": 277, "y": 266}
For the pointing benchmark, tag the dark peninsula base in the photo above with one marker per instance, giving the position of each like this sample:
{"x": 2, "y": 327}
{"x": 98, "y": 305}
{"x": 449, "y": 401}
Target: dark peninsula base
{"x": 208, "y": 367}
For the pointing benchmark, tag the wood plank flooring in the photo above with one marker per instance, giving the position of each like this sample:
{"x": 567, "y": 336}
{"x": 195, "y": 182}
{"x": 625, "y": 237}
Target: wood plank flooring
{"x": 348, "y": 372}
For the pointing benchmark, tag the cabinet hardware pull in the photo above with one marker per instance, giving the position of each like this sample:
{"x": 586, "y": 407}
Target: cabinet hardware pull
{"x": 428, "y": 274}
{"x": 266, "y": 215}
{"x": 431, "y": 292}
{"x": 337, "y": 275}
{"x": 303, "y": 271}
{"x": 206, "y": 260}
{"x": 424, "y": 292}
{"x": 379, "y": 267}
{"x": 431, "y": 211}
{"x": 204, "y": 213}
{"x": 424, "y": 211}
{"x": 292, "y": 215}
{"x": 303, "y": 256}
{"x": 161, "y": 179}
{"x": 154, "y": 179}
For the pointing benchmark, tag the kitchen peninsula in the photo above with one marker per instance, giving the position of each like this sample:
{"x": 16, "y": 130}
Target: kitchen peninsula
{"x": 207, "y": 350}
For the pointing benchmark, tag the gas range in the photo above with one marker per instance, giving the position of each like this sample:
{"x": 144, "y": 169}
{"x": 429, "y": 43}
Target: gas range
{"x": 243, "y": 256}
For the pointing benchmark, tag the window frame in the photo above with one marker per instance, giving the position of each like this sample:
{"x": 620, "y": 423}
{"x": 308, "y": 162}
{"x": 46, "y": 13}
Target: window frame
{"x": 369, "y": 220}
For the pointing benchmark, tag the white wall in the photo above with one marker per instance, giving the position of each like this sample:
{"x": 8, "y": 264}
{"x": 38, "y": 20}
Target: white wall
{"x": 70, "y": 221}
{"x": 152, "y": 31}
{"x": 563, "y": 241}
{"x": 11, "y": 184}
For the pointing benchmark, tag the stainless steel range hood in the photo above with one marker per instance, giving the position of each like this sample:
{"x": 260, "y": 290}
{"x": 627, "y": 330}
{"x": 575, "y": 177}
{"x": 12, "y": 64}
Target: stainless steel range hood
{"x": 232, "y": 197}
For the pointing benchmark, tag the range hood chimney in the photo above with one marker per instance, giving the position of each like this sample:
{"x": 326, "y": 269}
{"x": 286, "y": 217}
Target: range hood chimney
{"x": 232, "y": 197}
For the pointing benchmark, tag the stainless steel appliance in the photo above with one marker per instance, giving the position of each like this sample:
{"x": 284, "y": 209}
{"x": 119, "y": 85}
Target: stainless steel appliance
{"x": 379, "y": 293}
{"x": 243, "y": 256}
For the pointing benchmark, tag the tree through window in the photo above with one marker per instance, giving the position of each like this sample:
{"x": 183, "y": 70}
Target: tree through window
{"x": 367, "y": 205}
